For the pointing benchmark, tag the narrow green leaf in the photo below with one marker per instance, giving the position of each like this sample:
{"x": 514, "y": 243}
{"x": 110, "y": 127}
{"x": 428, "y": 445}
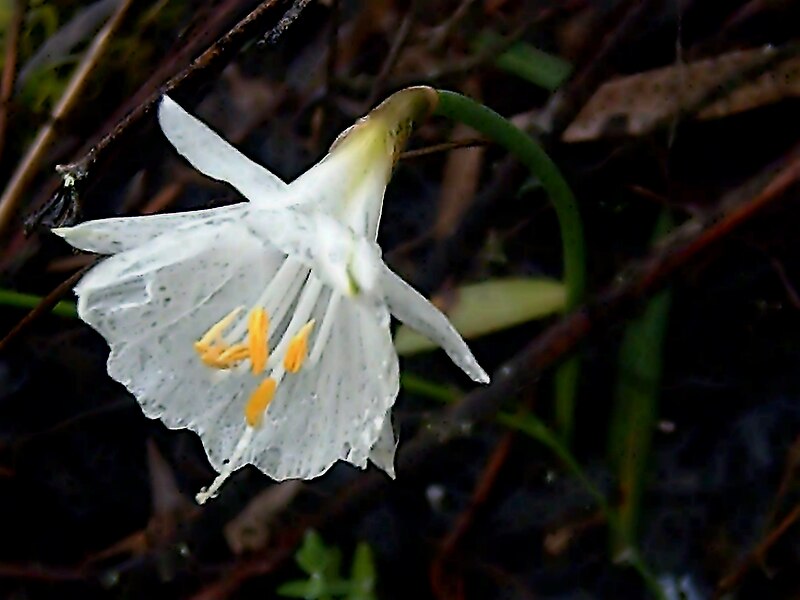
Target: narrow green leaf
{"x": 636, "y": 409}
{"x": 295, "y": 589}
{"x": 362, "y": 574}
{"x": 527, "y": 62}
{"x": 482, "y": 308}
{"x": 28, "y": 301}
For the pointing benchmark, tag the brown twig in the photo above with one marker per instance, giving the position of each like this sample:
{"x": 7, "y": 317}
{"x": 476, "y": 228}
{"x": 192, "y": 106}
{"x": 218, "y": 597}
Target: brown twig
{"x": 10, "y": 67}
{"x": 734, "y": 578}
{"x": 440, "y": 582}
{"x": 13, "y": 193}
{"x": 213, "y": 58}
{"x": 756, "y": 556}
{"x": 791, "y": 290}
{"x": 394, "y": 53}
{"x": 44, "y": 307}
{"x": 444, "y": 147}
{"x": 286, "y": 21}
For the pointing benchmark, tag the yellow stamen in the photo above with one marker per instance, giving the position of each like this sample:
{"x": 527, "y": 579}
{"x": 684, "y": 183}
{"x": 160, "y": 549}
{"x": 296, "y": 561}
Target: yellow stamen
{"x": 214, "y": 334}
{"x": 222, "y": 357}
{"x": 210, "y": 356}
{"x": 234, "y": 354}
{"x": 259, "y": 401}
{"x": 298, "y": 349}
{"x": 257, "y": 328}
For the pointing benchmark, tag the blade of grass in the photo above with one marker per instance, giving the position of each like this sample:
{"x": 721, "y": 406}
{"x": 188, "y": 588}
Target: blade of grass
{"x": 28, "y": 301}
{"x": 527, "y": 62}
{"x": 635, "y": 409}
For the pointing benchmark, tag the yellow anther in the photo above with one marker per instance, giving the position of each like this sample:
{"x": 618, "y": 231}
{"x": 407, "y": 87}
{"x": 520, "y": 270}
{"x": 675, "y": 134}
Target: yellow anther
{"x": 214, "y": 334}
{"x": 259, "y": 401}
{"x": 234, "y": 354}
{"x": 257, "y": 328}
{"x": 210, "y": 356}
{"x": 222, "y": 357}
{"x": 298, "y": 349}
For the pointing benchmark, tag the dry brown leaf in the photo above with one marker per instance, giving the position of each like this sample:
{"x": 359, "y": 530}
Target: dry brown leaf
{"x": 637, "y": 104}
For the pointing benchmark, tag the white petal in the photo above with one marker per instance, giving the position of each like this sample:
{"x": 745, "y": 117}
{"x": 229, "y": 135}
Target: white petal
{"x": 152, "y": 304}
{"x": 337, "y": 408}
{"x": 110, "y": 236}
{"x": 382, "y": 453}
{"x": 213, "y": 156}
{"x": 410, "y": 307}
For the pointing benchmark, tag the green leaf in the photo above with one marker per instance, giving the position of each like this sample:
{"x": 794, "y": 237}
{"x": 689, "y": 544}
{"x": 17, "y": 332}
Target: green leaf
{"x": 362, "y": 574}
{"x": 481, "y": 308}
{"x": 28, "y": 301}
{"x": 636, "y": 409}
{"x": 333, "y": 564}
{"x": 313, "y": 556}
{"x": 527, "y": 62}
{"x": 295, "y": 589}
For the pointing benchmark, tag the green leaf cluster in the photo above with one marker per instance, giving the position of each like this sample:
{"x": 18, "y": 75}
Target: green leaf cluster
{"x": 322, "y": 564}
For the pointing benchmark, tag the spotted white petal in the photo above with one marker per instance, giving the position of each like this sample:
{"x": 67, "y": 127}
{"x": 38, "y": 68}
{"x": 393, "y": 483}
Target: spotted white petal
{"x": 410, "y": 307}
{"x": 213, "y": 156}
{"x": 151, "y": 303}
{"x": 110, "y": 236}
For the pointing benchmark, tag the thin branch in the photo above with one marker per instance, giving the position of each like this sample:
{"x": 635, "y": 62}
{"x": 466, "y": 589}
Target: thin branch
{"x": 289, "y": 17}
{"x": 398, "y": 42}
{"x": 445, "y": 147}
{"x": 10, "y": 67}
{"x": 441, "y": 580}
{"x": 733, "y": 579}
{"x": 30, "y": 163}
{"x": 44, "y": 307}
{"x": 214, "y": 57}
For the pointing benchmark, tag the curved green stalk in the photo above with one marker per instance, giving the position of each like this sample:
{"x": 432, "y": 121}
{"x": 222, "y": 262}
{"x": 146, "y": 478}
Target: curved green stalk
{"x": 500, "y": 130}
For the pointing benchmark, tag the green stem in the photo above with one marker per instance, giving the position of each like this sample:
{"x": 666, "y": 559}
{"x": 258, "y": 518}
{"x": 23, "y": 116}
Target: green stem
{"x": 28, "y": 301}
{"x": 500, "y": 130}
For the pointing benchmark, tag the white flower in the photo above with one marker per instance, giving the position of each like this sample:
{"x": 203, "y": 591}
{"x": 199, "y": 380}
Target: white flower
{"x": 264, "y": 326}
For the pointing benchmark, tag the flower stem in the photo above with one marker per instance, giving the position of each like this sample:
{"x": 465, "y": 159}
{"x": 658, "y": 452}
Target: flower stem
{"x": 500, "y": 130}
